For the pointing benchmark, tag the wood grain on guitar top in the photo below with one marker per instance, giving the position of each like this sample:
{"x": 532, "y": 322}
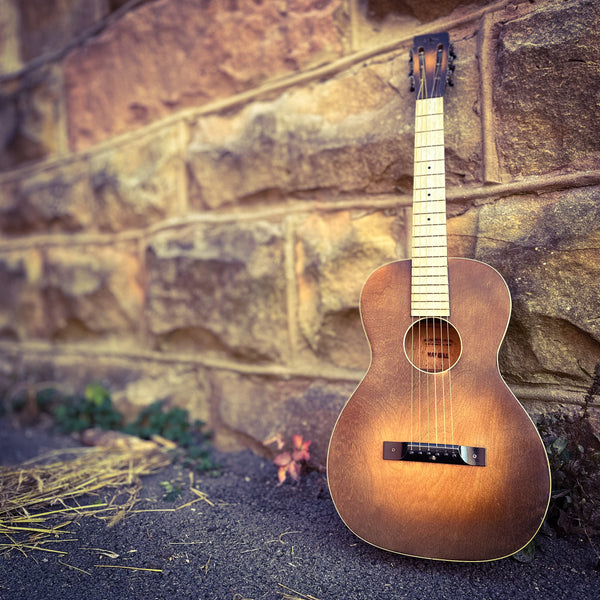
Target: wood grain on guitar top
{"x": 434, "y": 510}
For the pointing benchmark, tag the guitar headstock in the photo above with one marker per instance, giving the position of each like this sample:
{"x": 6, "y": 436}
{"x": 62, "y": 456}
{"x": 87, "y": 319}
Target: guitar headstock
{"x": 431, "y": 65}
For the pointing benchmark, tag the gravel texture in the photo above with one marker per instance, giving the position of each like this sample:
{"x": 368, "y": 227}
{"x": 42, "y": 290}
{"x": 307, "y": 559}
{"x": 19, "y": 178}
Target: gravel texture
{"x": 261, "y": 541}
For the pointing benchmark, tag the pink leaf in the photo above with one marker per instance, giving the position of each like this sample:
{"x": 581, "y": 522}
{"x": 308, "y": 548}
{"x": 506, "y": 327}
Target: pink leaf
{"x": 294, "y": 471}
{"x": 281, "y": 474}
{"x": 300, "y": 448}
{"x": 283, "y": 459}
{"x": 299, "y": 455}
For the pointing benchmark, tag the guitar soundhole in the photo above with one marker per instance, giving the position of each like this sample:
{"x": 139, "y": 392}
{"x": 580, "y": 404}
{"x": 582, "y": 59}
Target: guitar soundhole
{"x": 432, "y": 345}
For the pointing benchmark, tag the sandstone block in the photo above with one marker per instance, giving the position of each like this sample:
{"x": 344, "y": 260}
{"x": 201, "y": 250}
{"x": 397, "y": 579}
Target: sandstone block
{"x": 55, "y": 199}
{"x": 71, "y": 294}
{"x": 258, "y": 407}
{"x": 547, "y": 250}
{"x": 132, "y": 383}
{"x": 10, "y": 42}
{"x": 138, "y": 183}
{"x": 167, "y": 55}
{"x": 32, "y": 116}
{"x": 547, "y": 90}
{"x": 21, "y": 305}
{"x": 349, "y": 134}
{"x": 335, "y": 253}
{"x": 49, "y": 26}
{"x": 185, "y": 386}
{"x": 129, "y": 186}
{"x": 219, "y": 289}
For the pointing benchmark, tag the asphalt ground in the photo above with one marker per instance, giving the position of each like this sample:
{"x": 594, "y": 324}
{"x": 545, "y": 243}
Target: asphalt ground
{"x": 257, "y": 540}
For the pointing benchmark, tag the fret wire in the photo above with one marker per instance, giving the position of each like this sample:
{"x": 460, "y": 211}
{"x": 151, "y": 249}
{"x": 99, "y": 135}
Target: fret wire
{"x": 429, "y": 292}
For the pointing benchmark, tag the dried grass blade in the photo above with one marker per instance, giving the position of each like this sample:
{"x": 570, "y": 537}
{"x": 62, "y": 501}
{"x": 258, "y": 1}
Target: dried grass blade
{"x": 130, "y": 568}
{"x": 74, "y": 567}
{"x": 286, "y": 596}
{"x": 43, "y": 482}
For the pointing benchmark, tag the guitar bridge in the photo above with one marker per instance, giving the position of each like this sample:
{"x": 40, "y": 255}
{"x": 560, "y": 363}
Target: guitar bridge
{"x": 434, "y": 453}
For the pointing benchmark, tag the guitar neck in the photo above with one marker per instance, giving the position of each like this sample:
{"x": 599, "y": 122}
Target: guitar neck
{"x": 429, "y": 275}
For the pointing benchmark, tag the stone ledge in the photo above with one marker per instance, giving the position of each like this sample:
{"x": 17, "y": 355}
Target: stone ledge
{"x": 96, "y": 352}
{"x": 535, "y": 184}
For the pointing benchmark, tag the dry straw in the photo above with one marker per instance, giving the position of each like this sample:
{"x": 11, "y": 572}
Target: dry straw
{"x": 34, "y": 514}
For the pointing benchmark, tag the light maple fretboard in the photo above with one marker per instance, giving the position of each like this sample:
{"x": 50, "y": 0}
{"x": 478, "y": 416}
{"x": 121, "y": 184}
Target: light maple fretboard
{"x": 429, "y": 276}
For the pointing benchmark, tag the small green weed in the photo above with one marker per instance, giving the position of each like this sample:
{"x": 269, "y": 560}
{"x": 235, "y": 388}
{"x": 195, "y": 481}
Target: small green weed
{"x": 78, "y": 412}
{"x": 193, "y": 451}
{"x": 172, "y": 492}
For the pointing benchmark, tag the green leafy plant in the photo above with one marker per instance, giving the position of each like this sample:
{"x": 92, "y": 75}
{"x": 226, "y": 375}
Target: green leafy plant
{"x": 290, "y": 462}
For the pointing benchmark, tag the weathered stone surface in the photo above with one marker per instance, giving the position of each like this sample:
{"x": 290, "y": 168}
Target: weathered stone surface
{"x": 32, "y": 117}
{"x": 56, "y": 199}
{"x": 378, "y": 10}
{"x": 335, "y": 253}
{"x": 71, "y": 294}
{"x": 10, "y": 51}
{"x": 548, "y": 250}
{"x": 462, "y": 121}
{"x": 133, "y": 383}
{"x": 21, "y": 305}
{"x": 48, "y": 25}
{"x": 259, "y": 407}
{"x": 168, "y": 55}
{"x": 350, "y": 134}
{"x": 132, "y": 185}
{"x": 186, "y": 386}
{"x": 219, "y": 289}
{"x": 547, "y": 93}
{"x": 93, "y": 293}
{"x": 137, "y": 183}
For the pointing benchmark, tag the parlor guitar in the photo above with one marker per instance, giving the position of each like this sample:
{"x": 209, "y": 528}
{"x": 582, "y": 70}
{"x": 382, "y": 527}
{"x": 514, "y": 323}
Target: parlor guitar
{"x": 433, "y": 456}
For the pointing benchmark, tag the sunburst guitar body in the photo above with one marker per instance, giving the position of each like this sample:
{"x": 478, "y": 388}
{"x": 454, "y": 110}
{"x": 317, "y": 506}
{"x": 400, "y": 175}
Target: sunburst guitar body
{"x": 433, "y": 456}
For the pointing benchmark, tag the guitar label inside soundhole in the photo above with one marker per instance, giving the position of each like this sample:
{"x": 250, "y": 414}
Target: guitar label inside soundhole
{"x": 432, "y": 345}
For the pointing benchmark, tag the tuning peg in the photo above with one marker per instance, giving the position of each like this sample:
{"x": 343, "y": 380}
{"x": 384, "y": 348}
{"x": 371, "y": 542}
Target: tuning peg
{"x": 411, "y": 76}
{"x": 451, "y": 65}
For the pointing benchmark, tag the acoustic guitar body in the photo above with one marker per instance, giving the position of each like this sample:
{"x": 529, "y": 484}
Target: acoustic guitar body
{"x": 434, "y": 389}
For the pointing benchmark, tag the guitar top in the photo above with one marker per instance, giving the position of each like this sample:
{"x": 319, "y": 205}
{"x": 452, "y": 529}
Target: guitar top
{"x": 433, "y": 456}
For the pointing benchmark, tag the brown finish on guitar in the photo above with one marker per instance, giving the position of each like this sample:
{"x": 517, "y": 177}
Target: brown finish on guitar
{"x": 440, "y": 511}
{"x": 433, "y": 456}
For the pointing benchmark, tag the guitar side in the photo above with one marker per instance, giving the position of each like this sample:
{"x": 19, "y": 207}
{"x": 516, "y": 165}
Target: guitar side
{"x": 433, "y": 510}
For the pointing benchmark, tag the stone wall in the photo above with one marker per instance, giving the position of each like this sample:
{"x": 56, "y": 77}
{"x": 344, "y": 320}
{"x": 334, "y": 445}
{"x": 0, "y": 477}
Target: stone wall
{"x": 193, "y": 193}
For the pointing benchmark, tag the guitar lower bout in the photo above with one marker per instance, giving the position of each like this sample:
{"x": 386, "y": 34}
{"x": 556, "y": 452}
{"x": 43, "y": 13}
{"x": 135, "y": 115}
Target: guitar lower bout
{"x": 433, "y": 456}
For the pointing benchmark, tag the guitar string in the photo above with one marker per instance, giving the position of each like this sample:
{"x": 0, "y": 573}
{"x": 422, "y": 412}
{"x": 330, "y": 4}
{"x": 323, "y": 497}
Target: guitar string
{"x": 450, "y": 378}
{"x": 436, "y": 370}
{"x": 424, "y": 87}
{"x": 435, "y": 376}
